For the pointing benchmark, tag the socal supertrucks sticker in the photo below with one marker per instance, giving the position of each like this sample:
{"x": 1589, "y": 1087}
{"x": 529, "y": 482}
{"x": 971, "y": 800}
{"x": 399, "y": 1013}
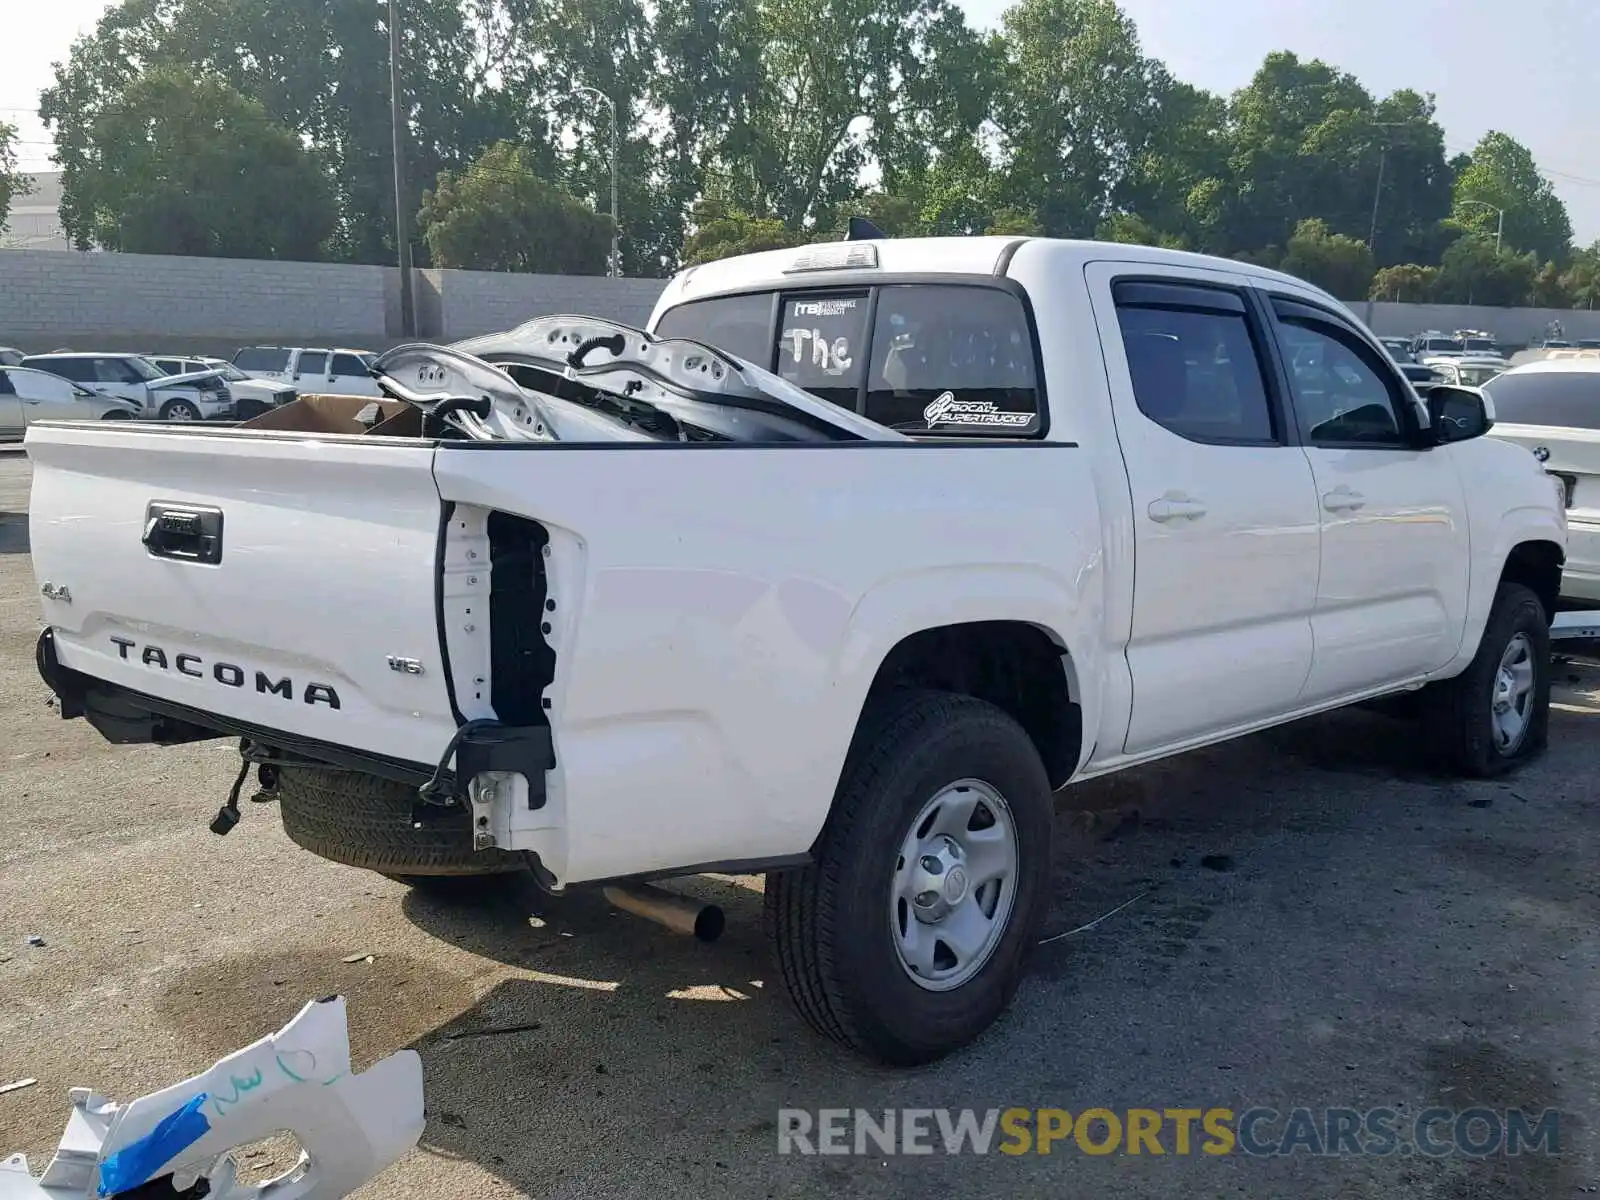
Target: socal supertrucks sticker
{"x": 947, "y": 410}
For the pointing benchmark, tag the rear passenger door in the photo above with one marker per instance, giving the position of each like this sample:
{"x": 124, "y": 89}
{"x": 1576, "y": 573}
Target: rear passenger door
{"x": 1224, "y": 511}
{"x": 1392, "y": 591}
{"x": 311, "y": 371}
{"x": 351, "y": 377}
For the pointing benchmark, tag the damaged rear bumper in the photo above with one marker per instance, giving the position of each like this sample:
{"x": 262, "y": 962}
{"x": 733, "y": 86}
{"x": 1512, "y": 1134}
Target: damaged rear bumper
{"x": 127, "y": 717}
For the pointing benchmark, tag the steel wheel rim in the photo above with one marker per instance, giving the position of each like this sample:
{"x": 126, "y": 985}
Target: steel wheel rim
{"x": 1511, "y": 702}
{"x": 954, "y": 885}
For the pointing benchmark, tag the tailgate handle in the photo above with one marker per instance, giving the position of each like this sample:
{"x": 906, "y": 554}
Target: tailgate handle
{"x": 186, "y": 532}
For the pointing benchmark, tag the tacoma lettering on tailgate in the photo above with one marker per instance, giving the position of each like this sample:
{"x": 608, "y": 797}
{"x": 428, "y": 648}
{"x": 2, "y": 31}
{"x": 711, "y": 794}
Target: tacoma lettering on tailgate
{"x": 227, "y": 674}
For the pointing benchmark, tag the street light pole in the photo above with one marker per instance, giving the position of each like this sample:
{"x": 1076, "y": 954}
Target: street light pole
{"x": 1500, "y": 220}
{"x": 614, "y": 264}
{"x": 402, "y": 234}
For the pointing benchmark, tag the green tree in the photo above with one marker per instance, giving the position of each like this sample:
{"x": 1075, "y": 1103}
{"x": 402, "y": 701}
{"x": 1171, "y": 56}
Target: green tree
{"x": 722, "y": 232}
{"x": 1175, "y": 177}
{"x": 1307, "y": 140}
{"x": 319, "y": 68}
{"x": 1075, "y": 108}
{"x": 498, "y": 215}
{"x": 1409, "y": 283}
{"x": 184, "y": 165}
{"x": 1502, "y": 175}
{"x": 1472, "y": 271}
{"x": 1336, "y": 263}
{"x": 1581, "y": 280}
{"x": 1135, "y": 231}
{"x": 13, "y": 183}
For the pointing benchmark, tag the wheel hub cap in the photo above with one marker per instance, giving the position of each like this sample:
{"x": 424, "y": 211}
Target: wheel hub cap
{"x": 1511, "y": 704}
{"x": 951, "y": 898}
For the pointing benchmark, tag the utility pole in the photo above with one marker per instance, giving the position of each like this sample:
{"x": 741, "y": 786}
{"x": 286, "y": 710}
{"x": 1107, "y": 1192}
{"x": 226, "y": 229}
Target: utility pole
{"x": 614, "y": 262}
{"x": 402, "y": 226}
{"x": 1377, "y": 192}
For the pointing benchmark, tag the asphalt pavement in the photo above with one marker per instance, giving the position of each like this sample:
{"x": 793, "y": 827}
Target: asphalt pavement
{"x": 1316, "y": 920}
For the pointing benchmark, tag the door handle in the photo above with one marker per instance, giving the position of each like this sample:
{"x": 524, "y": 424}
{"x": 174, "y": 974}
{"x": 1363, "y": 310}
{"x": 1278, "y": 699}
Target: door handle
{"x": 1172, "y": 507}
{"x": 1342, "y": 499}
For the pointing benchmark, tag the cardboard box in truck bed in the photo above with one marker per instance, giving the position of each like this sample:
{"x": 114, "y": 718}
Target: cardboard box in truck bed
{"x": 338, "y": 414}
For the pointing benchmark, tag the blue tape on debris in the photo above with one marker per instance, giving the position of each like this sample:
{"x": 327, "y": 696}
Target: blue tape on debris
{"x": 137, "y": 1162}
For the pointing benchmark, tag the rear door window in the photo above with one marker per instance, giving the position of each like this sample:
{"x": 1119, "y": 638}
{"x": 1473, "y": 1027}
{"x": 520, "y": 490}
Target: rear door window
{"x": 348, "y": 364}
{"x": 312, "y": 362}
{"x": 262, "y": 358}
{"x": 935, "y": 359}
{"x": 80, "y": 370}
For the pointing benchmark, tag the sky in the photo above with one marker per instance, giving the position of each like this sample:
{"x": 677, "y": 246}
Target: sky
{"x": 1526, "y": 67}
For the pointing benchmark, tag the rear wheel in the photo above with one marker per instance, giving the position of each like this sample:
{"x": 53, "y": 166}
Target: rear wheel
{"x": 179, "y": 410}
{"x": 1497, "y": 712}
{"x": 906, "y": 937}
{"x": 364, "y": 821}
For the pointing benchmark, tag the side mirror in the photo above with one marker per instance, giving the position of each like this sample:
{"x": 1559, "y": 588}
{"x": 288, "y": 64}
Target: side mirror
{"x": 1457, "y": 414}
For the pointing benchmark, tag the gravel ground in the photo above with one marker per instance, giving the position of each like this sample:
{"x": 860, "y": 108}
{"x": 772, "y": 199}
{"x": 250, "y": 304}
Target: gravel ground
{"x": 1366, "y": 934}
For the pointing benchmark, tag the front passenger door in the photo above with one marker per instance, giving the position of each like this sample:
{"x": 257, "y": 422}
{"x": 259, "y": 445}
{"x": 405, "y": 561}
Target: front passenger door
{"x": 1392, "y": 590}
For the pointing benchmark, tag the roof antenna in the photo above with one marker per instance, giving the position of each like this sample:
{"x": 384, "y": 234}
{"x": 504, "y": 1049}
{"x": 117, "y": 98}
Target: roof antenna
{"x": 863, "y": 230}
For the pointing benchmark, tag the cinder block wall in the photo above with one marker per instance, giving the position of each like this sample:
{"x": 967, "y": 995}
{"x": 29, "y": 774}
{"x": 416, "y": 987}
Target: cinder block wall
{"x": 54, "y": 299}
{"x": 138, "y": 297}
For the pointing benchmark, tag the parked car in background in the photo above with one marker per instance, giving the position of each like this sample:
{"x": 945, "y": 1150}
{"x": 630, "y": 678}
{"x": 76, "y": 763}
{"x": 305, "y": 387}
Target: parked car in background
{"x": 1418, "y": 374}
{"x": 10, "y": 356}
{"x": 1434, "y": 343}
{"x": 1552, "y": 406}
{"x": 311, "y": 370}
{"x": 195, "y": 396}
{"x": 251, "y": 396}
{"x": 1466, "y": 370}
{"x": 27, "y": 396}
{"x": 1589, "y": 343}
{"x": 1399, "y": 349}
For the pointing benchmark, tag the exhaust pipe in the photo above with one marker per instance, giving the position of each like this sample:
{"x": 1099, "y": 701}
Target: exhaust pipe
{"x": 681, "y": 914}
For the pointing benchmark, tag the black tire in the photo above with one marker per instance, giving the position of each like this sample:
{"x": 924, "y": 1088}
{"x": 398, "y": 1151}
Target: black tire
{"x": 115, "y": 414}
{"x": 828, "y": 923}
{"x": 179, "y": 410}
{"x": 364, "y": 821}
{"x": 1459, "y": 713}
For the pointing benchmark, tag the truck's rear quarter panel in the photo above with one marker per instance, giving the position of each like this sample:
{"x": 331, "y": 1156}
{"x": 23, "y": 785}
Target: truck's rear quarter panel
{"x": 720, "y": 614}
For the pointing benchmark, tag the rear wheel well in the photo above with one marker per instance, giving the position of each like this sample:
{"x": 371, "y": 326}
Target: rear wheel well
{"x": 1010, "y": 664}
{"x": 1537, "y": 566}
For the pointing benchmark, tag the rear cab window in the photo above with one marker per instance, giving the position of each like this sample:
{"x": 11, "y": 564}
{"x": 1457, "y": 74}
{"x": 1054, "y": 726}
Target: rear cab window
{"x": 262, "y": 358}
{"x": 925, "y": 359}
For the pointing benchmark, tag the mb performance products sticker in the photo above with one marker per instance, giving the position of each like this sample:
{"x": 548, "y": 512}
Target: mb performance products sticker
{"x": 947, "y": 410}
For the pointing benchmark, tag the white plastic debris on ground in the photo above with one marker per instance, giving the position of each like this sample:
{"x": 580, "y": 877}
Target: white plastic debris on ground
{"x": 296, "y": 1081}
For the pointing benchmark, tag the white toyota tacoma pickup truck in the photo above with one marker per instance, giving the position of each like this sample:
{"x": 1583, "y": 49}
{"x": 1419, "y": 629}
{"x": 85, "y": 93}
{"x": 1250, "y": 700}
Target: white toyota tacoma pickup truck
{"x": 837, "y": 574}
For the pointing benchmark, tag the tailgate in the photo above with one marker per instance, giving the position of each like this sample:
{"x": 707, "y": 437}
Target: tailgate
{"x": 324, "y": 572}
